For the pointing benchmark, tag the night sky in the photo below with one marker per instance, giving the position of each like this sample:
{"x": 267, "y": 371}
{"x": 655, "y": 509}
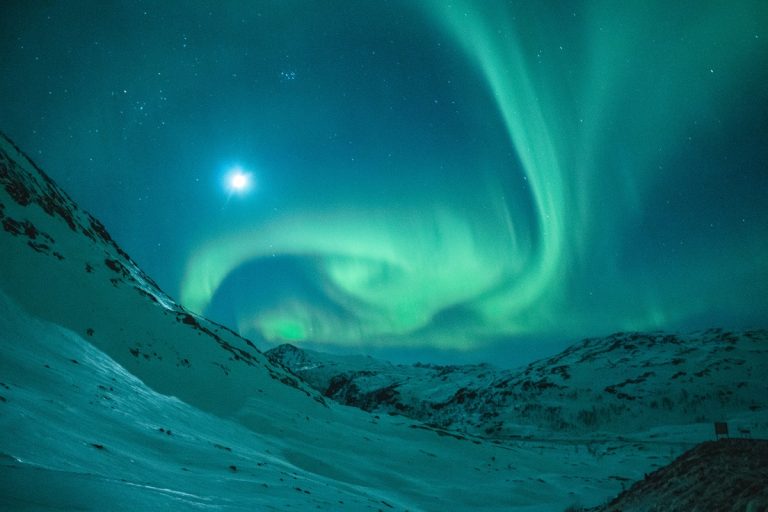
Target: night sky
{"x": 458, "y": 179}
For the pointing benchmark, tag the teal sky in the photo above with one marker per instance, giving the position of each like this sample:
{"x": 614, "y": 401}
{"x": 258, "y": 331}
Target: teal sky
{"x": 469, "y": 179}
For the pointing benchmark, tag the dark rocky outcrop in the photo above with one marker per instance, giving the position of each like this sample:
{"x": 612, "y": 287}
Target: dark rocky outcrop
{"x": 730, "y": 474}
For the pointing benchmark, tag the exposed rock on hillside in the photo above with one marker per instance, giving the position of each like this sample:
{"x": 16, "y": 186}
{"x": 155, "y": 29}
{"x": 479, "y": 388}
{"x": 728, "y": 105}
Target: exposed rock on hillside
{"x": 730, "y": 474}
{"x": 622, "y": 383}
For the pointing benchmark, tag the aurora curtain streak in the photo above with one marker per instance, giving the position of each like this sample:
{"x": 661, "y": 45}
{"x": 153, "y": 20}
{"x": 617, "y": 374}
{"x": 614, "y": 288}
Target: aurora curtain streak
{"x": 623, "y": 206}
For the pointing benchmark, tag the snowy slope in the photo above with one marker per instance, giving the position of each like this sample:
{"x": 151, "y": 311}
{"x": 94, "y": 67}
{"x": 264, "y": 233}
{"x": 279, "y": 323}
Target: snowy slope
{"x": 632, "y": 381}
{"x": 101, "y": 440}
{"x": 625, "y": 383}
{"x": 60, "y": 264}
{"x": 80, "y": 432}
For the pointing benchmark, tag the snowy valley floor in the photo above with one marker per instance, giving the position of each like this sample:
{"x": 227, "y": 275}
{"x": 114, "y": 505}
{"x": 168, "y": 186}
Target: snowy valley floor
{"x": 81, "y": 433}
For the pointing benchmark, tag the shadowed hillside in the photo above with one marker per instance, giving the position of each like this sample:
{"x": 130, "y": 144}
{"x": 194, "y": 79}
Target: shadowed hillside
{"x": 730, "y": 474}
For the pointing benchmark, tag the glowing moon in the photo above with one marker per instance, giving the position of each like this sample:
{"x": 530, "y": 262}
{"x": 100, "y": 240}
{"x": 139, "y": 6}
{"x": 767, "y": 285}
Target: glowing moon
{"x": 238, "y": 180}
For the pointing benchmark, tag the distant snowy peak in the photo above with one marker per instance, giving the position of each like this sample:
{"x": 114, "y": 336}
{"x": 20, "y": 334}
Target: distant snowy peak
{"x": 294, "y": 358}
{"x": 61, "y": 264}
{"x": 624, "y": 382}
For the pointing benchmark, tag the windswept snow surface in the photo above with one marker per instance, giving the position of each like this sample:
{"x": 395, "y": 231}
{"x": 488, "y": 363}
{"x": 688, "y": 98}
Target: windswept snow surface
{"x": 80, "y": 432}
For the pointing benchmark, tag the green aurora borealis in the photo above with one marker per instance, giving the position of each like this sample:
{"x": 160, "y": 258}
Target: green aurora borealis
{"x": 448, "y": 175}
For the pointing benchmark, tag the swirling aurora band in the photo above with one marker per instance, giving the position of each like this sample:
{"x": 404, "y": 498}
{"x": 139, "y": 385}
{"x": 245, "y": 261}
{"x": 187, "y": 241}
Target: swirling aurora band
{"x": 597, "y": 105}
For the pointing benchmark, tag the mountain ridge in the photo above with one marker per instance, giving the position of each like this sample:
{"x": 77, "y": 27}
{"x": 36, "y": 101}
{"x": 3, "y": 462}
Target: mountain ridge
{"x": 628, "y": 381}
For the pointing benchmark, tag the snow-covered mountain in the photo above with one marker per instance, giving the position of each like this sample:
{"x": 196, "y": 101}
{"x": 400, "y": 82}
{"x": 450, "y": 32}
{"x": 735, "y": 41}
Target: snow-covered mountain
{"x": 623, "y": 383}
{"x": 113, "y": 397}
{"x": 61, "y": 264}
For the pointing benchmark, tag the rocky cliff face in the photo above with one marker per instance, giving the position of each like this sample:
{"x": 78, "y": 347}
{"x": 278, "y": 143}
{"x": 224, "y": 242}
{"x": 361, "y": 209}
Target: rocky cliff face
{"x": 622, "y": 383}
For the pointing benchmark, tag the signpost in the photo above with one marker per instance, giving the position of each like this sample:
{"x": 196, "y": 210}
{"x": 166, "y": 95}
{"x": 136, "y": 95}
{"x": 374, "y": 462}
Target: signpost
{"x": 721, "y": 429}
